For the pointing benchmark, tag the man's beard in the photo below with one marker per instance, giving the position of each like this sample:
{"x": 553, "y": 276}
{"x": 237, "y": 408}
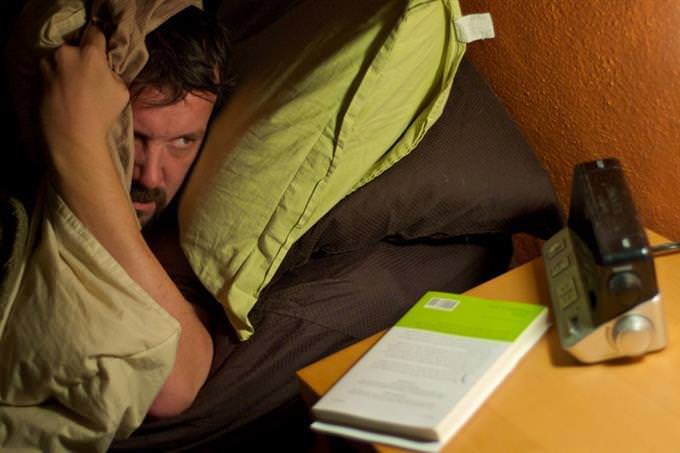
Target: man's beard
{"x": 155, "y": 195}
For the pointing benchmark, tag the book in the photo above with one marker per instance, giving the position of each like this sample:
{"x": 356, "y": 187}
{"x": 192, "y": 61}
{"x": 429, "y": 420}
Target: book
{"x": 423, "y": 379}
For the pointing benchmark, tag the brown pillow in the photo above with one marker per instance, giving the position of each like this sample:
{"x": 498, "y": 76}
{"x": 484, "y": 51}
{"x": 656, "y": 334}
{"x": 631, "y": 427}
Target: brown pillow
{"x": 473, "y": 174}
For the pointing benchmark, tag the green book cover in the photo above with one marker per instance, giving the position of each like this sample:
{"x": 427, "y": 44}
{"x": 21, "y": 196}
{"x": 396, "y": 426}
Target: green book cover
{"x": 470, "y": 316}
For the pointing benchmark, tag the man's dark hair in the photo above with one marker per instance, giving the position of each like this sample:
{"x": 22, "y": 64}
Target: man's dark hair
{"x": 190, "y": 52}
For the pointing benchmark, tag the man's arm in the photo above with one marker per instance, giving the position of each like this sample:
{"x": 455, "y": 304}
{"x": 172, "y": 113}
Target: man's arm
{"x": 82, "y": 99}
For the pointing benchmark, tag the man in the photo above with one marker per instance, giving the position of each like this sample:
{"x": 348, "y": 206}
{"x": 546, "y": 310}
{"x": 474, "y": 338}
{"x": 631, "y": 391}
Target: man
{"x": 172, "y": 102}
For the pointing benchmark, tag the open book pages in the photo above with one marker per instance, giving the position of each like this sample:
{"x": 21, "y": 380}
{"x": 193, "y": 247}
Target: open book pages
{"x": 429, "y": 373}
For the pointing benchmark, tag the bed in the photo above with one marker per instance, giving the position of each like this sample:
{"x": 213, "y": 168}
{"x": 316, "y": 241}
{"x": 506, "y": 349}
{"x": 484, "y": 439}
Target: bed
{"x": 434, "y": 207}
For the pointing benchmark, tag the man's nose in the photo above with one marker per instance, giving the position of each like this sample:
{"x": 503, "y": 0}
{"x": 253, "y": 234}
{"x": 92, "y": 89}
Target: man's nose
{"x": 150, "y": 170}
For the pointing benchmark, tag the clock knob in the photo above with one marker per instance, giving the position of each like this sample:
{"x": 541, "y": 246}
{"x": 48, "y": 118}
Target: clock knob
{"x": 633, "y": 335}
{"x": 621, "y": 282}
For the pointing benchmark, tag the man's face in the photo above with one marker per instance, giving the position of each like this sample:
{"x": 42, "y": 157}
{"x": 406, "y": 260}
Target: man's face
{"x": 167, "y": 139}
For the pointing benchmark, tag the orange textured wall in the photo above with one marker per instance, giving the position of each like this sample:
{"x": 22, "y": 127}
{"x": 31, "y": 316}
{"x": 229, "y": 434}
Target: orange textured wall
{"x": 586, "y": 79}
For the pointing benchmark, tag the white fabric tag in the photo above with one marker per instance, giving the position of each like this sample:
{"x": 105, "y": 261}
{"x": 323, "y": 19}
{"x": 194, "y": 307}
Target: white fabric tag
{"x": 474, "y": 27}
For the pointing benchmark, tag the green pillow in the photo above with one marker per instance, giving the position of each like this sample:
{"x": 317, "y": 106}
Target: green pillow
{"x": 331, "y": 96}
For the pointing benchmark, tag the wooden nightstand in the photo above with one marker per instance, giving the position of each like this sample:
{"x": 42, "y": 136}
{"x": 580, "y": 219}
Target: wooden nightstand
{"x": 550, "y": 402}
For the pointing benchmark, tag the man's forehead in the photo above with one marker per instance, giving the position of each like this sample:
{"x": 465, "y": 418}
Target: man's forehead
{"x": 151, "y": 97}
{"x": 188, "y": 116}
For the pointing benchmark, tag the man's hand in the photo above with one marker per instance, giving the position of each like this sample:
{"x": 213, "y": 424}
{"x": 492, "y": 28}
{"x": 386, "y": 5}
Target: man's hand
{"x": 82, "y": 98}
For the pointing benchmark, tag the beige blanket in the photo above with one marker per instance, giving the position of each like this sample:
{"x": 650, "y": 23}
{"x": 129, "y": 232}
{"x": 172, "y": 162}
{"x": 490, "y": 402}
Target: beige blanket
{"x": 84, "y": 349}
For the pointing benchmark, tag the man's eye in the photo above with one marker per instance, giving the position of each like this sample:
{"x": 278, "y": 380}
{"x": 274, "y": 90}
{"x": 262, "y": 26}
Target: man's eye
{"x": 183, "y": 142}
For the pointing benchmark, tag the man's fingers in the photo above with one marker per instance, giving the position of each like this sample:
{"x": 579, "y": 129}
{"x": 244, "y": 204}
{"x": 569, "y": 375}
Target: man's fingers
{"x": 93, "y": 36}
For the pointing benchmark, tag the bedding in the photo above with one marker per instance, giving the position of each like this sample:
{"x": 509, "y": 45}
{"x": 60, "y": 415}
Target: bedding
{"x": 472, "y": 175}
{"x": 80, "y": 365}
{"x": 351, "y": 274}
{"x": 360, "y": 268}
{"x": 330, "y": 96}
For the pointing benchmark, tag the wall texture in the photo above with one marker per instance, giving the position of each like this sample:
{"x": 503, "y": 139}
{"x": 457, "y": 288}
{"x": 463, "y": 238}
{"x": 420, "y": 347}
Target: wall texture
{"x": 586, "y": 79}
